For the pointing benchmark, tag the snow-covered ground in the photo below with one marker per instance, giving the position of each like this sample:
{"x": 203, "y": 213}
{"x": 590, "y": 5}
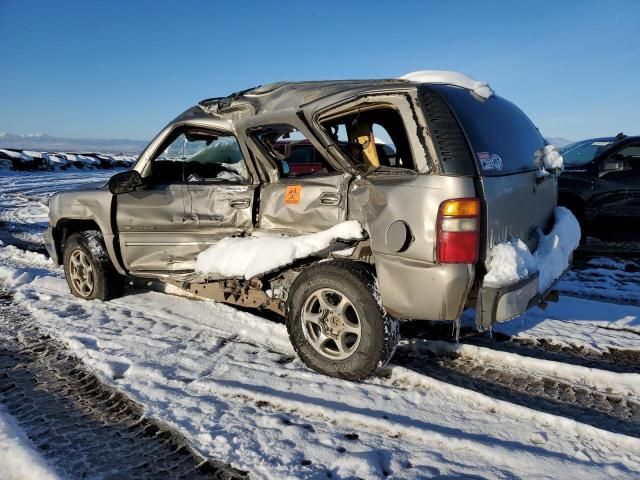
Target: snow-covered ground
{"x": 24, "y": 198}
{"x": 231, "y": 383}
{"x": 18, "y": 458}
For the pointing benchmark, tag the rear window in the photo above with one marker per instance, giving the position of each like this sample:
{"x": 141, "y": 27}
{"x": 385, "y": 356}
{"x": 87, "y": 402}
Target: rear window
{"x": 502, "y": 137}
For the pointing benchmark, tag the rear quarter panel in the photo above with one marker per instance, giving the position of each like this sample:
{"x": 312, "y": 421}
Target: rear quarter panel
{"x": 412, "y": 284}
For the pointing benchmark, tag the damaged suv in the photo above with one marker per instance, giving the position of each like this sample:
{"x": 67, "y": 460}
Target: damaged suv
{"x": 344, "y": 206}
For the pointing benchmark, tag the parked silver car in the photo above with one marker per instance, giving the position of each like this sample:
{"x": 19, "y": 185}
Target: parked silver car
{"x": 435, "y": 173}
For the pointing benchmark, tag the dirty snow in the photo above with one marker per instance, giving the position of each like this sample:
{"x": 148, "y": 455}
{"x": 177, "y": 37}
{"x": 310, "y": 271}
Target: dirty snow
{"x": 606, "y": 278}
{"x": 230, "y": 382}
{"x": 619, "y": 383}
{"x": 19, "y": 459}
{"x": 577, "y": 322}
{"x": 510, "y": 262}
{"x": 482, "y": 89}
{"x": 262, "y": 252}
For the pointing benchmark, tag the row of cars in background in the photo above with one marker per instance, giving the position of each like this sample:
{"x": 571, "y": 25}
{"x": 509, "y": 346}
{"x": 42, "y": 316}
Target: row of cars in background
{"x": 21, "y": 160}
{"x": 600, "y": 184}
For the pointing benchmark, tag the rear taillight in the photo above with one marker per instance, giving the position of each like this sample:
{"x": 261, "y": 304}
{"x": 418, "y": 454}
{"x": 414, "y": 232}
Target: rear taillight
{"x": 458, "y": 231}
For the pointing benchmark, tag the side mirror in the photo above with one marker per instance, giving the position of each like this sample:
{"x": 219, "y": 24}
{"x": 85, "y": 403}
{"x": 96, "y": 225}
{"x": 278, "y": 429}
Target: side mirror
{"x": 125, "y": 182}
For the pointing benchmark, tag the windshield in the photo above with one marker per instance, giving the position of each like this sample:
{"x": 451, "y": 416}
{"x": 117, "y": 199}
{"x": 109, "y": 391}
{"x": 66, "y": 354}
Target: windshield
{"x": 580, "y": 153}
{"x": 503, "y": 138}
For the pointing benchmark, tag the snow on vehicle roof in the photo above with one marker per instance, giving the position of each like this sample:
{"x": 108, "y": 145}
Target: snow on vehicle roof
{"x": 482, "y": 89}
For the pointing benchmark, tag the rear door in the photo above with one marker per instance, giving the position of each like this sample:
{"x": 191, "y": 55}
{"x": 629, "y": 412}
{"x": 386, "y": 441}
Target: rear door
{"x": 504, "y": 142}
{"x": 310, "y": 194}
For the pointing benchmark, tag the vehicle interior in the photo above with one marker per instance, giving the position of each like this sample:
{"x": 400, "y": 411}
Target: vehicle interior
{"x": 372, "y": 138}
{"x": 199, "y": 156}
{"x": 294, "y": 155}
{"x": 626, "y": 160}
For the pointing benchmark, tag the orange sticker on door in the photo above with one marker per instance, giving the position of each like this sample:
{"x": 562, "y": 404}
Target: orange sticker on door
{"x": 292, "y": 194}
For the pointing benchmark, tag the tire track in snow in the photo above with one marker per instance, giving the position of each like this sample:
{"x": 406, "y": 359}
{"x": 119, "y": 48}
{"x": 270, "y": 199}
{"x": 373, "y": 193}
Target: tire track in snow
{"x": 611, "y": 411}
{"x": 86, "y": 429}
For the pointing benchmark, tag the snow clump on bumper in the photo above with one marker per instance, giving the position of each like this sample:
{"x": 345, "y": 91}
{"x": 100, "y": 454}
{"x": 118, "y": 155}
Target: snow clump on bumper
{"x": 511, "y": 262}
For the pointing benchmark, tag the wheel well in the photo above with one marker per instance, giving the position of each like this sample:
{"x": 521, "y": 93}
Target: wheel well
{"x": 65, "y": 228}
{"x": 573, "y": 202}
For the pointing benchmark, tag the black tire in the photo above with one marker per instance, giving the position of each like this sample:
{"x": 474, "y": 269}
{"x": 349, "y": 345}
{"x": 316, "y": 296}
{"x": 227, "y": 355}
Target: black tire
{"x": 379, "y": 331}
{"x": 107, "y": 283}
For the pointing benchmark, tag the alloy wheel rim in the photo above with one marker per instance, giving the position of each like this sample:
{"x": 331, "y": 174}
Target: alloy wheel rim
{"x": 81, "y": 273}
{"x": 331, "y": 324}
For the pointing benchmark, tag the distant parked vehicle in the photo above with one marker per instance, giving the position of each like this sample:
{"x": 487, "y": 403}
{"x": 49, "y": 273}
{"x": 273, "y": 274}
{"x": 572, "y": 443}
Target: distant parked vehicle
{"x": 601, "y": 185}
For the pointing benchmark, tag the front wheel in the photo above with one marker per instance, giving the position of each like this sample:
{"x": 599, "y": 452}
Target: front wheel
{"x": 88, "y": 269}
{"x": 335, "y": 322}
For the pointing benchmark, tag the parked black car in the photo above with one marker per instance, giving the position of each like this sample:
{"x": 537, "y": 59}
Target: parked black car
{"x": 601, "y": 185}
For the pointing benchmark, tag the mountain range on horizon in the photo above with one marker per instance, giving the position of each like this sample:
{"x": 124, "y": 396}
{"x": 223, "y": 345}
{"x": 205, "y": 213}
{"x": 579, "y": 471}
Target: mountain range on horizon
{"x": 44, "y": 142}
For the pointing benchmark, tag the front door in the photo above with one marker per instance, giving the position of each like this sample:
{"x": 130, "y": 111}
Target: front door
{"x": 197, "y": 190}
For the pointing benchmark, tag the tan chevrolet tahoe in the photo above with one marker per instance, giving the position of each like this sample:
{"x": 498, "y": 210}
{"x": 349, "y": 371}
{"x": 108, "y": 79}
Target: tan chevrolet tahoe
{"x": 436, "y": 172}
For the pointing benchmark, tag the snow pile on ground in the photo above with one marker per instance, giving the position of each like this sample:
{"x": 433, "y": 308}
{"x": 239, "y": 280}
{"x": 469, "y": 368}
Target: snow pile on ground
{"x": 18, "y": 457}
{"x": 482, "y": 89}
{"x": 512, "y": 261}
{"x": 250, "y": 256}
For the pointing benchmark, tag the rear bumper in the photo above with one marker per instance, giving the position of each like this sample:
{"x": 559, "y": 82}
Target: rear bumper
{"x": 495, "y": 305}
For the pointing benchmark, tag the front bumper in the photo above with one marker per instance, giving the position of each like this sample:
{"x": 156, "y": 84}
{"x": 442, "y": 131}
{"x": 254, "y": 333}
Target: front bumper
{"x": 495, "y": 305}
{"x": 50, "y": 245}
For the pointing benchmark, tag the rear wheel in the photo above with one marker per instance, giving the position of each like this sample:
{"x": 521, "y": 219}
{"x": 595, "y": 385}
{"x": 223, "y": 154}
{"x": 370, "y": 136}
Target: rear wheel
{"x": 88, "y": 269}
{"x": 335, "y": 322}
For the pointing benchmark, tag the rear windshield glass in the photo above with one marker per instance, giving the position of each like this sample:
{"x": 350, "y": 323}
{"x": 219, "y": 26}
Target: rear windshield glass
{"x": 502, "y": 137}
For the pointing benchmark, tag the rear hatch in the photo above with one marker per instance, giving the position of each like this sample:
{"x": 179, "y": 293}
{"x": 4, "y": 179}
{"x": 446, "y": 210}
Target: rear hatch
{"x": 494, "y": 141}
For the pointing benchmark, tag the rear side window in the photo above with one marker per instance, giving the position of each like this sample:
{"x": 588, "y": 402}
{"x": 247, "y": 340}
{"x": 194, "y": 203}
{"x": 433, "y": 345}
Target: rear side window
{"x": 372, "y": 138}
{"x": 294, "y": 155}
{"x": 502, "y": 137}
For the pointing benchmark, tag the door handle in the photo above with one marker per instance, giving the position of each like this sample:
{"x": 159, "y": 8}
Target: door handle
{"x": 239, "y": 203}
{"x": 330, "y": 198}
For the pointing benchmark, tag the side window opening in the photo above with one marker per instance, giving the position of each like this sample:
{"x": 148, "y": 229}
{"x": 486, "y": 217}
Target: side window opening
{"x": 626, "y": 159}
{"x": 294, "y": 155}
{"x": 372, "y": 138}
{"x": 196, "y": 156}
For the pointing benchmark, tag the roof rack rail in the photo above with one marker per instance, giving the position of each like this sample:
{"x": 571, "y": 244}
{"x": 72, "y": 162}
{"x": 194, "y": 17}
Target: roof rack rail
{"x": 207, "y": 101}
{"x": 224, "y": 102}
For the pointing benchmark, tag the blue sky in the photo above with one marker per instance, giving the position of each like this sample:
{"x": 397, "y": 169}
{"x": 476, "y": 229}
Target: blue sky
{"x": 123, "y": 69}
